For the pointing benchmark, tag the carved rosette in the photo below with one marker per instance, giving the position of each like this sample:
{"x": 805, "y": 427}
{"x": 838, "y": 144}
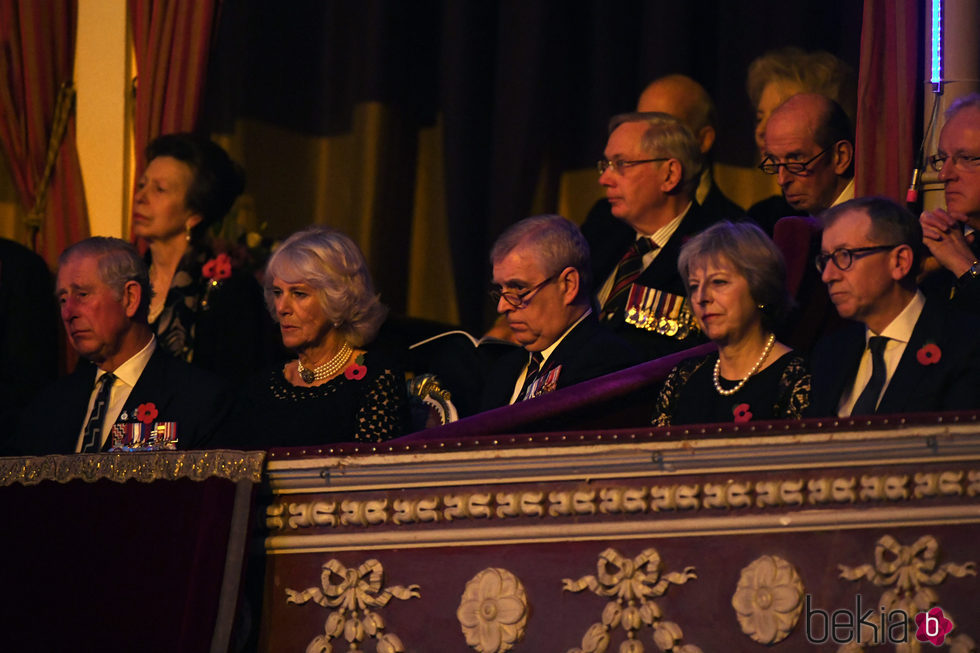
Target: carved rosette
{"x": 353, "y": 592}
{"x": 632, "y": 584}
{"x": 768, "y": 599}
{"x": 493, "y": 611}
{"x": 909, "y": 573}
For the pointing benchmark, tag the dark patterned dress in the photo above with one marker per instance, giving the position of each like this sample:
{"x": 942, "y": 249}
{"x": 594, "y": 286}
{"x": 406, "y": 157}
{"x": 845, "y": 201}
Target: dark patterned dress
{"x": 365, "y": 403}
{"x": 688, "y": 396}
{"x": 223, "y": 327}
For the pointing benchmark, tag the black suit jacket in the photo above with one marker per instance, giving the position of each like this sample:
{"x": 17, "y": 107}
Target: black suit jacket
{"x": 586, "y": 352}
{"x": 197, "y": 400}
{"x": 952, "y": 383}
{"x": 941, "y": 283}
{"x": 609, "y": 238}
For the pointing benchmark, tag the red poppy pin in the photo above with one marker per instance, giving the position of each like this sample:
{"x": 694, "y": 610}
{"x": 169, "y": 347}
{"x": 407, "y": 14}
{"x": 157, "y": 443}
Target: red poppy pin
{"x": 217, "y": 268}
{"x": 742, "y": 413}
{"x": 147, "y": 412}
{"x": 929, "y": 354}
{"x": 356, "y": 370}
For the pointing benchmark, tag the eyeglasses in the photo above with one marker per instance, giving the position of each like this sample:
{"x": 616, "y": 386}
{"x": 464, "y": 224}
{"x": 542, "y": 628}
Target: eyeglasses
{"x": 517, "y": 299}
{"x": 844, "y": 257}
{"x": 962, "y": 161}
{"x": 770, "y": 167}
{"x": 619, "y": 165}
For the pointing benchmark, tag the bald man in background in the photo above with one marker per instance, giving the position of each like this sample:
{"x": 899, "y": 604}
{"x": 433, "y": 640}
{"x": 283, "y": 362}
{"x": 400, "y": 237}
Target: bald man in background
{"x": 685, "y": 99}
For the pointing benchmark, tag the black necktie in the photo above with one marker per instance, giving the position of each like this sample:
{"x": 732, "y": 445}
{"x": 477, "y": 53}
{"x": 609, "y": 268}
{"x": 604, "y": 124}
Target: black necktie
{"x": 867, "y": 403}
{"x": 92, "y": 441}
{"x": 533, "y": 367}
{"x": 627, "y": 271}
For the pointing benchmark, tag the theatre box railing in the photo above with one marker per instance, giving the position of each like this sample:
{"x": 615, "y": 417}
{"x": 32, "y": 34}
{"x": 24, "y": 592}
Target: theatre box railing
{"x": 830, "y": 535}
{"x": 124, "y": 551}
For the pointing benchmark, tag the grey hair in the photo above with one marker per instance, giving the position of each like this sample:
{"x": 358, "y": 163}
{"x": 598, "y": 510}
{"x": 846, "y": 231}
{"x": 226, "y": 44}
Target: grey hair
{"x": 971, "y": 100}
{"x": 667, "y": 136}
{"x": 557, "y": 242}
{"x": 333, "y": 265}
{"x": 814, "y": 72}
{"x": 753, "y": 255}
{"x": 118, "y": 263}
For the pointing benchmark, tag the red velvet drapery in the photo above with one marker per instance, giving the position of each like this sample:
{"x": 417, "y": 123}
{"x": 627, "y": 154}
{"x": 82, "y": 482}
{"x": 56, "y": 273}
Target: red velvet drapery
{"x": 888, "y": 86}
{"x": 37, "y": 54}
{"x": 172, "y": 39}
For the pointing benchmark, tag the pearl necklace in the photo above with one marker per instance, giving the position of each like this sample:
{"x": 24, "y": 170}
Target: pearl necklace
{"x": 755, "y": 368}
{"x": 328, "y": 369}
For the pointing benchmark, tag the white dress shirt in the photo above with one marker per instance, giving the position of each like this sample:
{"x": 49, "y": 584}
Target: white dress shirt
{"x": 898, "y": 332}
{"x": 126, "y": 375}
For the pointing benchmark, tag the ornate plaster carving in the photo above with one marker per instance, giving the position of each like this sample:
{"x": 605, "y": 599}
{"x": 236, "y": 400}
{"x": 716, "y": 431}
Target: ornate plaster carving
{"x": 493, "y": 611}
{"x": 621, "y": 499}
{"x": 909, "y": 573}
{"x": 632, "y": 585}
{"x": 353, "y": 593}
{"x": 768, "y": 599}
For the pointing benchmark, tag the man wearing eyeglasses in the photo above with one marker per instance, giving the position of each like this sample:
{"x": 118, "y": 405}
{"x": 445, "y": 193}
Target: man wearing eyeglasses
{"x": 650, "y": 169}
{"x": 809, "y": 146}
{"x": 902, "y": 353}
{"x": 542, "y": 285}
{"x": 950, "y": 234}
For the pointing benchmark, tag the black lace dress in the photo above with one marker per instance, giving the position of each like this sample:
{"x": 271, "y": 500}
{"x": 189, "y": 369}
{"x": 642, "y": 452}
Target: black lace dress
{"x": 688, "y": 396}
{"x": 365, "y": 403}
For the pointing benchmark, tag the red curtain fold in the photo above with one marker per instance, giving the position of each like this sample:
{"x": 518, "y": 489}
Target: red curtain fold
{"x": 172, "y": 39}
{"x": 37, "y": 56}
{"x": 888, "y": 88}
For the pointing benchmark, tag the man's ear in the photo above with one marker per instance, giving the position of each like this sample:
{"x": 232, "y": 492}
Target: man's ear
{"x": 843, "y": 156}
{"x": 568, "y": 285}
{"x": 131, "y": 295}
{"x": 706, "y": 138}
{"x": 901, "y": 260}
{"x": 674, "y": 175}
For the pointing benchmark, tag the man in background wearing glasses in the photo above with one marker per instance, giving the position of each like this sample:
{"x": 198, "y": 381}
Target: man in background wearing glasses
{"x": 950, "y": 234}
{"x": 542, "y": 285}
{"x": 902, "y": 353}
{"x": 650, "y": 169}
{"x": 810, "y": 148}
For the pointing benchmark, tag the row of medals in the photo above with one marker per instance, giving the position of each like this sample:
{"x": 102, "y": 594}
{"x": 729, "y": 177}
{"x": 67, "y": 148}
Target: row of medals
{"x": 659, "y": 311}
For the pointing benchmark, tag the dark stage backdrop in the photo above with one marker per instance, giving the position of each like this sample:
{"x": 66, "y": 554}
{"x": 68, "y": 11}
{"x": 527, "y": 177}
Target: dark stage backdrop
{"x": 518, "y": 92}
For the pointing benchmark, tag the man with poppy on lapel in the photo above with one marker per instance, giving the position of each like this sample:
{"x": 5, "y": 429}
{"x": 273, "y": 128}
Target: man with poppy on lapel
{"x": 123, "y": 380}
{"x": 902, "y": 353}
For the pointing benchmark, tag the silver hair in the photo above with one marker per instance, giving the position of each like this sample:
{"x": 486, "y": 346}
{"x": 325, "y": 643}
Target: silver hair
{"x": 668, "y": 136}
{"x": 814, "y": 72}
{"x": 753, "y": 254}
{"x": 556, "y": 241}
{"x": 332, "y": 264}
{"x": 119, "y": 263}
{"x": 971, "y": 100}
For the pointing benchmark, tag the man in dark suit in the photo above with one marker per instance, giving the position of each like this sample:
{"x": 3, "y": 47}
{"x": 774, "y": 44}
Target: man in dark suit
{"x": 951, "y": 234}
{"x": 28, "y": 331}
{"x": 903, "y": 353}
{"x": 542, "y": 285}
{"x": 650, "y": 172}
{"x": 125, "y": 379}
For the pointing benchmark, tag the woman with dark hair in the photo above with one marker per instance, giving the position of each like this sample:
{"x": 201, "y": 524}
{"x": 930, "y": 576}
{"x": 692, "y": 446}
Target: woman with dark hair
{"x": 736, "y": 286}
{"x": 202, "y": 310}
{"x": 319, "y": 290}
